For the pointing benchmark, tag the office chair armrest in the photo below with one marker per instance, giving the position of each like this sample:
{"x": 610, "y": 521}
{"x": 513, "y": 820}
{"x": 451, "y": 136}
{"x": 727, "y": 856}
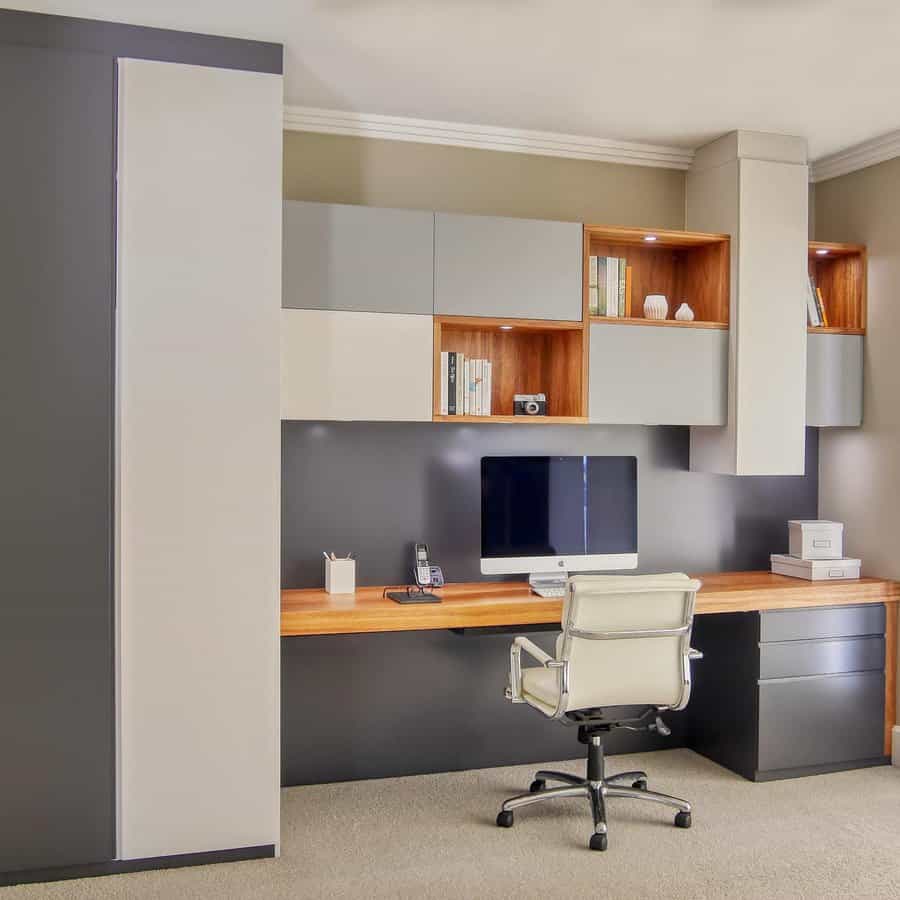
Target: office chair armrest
{"x": 514, "y": 691}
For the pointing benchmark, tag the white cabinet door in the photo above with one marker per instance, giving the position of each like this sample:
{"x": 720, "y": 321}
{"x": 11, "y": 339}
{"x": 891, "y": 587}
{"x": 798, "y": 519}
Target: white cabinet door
{"x": 834, "y": 380}
{"x": 356, "y": 365}
{"x": 199, "y": 458}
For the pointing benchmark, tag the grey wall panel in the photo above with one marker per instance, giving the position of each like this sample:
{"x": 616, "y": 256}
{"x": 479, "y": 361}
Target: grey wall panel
{"x": 138, "y": 42}
{"x": 376, "y": 488}
{"x": 641, "y": 375}
{"x": 816, "y": 721}
{"x": 437, "y": 704}
{"x": 426, "y": 701}
{"x": 362, "y": 258}
{"x": 509, "y": 268}
{"x": 56, "y": 368}
{"x": 834, "y": 379}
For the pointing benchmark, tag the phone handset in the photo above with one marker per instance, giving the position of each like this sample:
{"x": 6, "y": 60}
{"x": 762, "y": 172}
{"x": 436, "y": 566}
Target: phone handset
{"x": 427, "y": 574}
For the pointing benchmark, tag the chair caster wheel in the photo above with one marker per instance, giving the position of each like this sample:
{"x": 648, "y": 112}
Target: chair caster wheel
{"x": 505, "y": 819}
{"x": 640, "y": 784}
{"x": 537, "y": 785}
{"x": 683, "y": 820}
{"x": 599, "y": 842}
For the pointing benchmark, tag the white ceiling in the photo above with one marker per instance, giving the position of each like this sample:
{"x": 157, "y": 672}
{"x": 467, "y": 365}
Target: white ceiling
{"x": 677, "y": 73}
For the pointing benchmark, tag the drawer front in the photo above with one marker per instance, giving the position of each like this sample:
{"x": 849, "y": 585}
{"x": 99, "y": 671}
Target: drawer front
{"x": 821, "y": 622}
{"x": 821, "y": 720}
{"x": 791, "y": 658}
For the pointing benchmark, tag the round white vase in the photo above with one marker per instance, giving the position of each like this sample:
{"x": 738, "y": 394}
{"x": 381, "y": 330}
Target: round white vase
{"x": 684, "y": 313}
{"x": 656, "y": 306}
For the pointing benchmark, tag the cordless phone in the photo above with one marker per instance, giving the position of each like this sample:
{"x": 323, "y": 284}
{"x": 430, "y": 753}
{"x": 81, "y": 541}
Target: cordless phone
{"x": 426, "y": 576}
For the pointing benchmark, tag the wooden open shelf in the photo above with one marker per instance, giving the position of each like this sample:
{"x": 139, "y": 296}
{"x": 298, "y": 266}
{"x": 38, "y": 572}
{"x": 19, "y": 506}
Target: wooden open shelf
{"x": 685, "y": 266}
{"x": 840, "y": 273}
{"x": 620, "y": 320}
{"x": 529, "y": 356}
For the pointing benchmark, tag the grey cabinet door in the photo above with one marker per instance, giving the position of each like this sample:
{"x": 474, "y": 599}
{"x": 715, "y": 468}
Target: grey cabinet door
{"x": 834, "y": 379}
{"x": 57, "y": 779}
{"x": 507, "y": 268}
{"x": 658, "y": 375}
{"x": 362, "y": 258}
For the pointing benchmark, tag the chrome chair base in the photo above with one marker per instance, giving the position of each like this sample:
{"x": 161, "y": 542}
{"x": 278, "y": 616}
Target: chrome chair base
{"x": 627, "y": 785}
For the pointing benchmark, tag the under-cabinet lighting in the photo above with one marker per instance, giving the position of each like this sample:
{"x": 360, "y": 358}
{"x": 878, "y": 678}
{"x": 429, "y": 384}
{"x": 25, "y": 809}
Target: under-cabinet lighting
{"x": 506, "y": 328}
{"x": 822, "y": 252}
{"x": 649, "y": 237}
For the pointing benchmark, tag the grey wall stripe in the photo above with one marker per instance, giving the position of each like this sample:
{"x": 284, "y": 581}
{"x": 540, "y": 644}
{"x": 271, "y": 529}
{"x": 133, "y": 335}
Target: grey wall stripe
{"x": 137, "y": 42}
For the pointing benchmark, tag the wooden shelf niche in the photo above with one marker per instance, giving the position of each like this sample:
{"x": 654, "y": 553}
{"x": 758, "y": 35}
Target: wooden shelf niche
{"x": 839, "y": 271}
{"x": 529, "y": 356}
{"x": 685, "y": 266}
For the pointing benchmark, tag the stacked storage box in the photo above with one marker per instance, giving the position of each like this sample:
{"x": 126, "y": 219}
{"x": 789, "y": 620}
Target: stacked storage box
{"x": 816, "y": 552}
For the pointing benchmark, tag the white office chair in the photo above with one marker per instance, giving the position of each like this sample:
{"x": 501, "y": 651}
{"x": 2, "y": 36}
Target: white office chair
{"x": 625, "y": 643}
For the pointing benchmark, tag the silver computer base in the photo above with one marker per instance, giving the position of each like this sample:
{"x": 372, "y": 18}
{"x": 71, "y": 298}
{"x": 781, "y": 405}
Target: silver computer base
{"x": 548, "y": 584}
{"x": 596, "y": 788}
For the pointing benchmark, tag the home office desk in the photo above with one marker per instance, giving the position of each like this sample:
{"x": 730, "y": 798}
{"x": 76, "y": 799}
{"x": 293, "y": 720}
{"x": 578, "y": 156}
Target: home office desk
{"x": 363, "y": 637}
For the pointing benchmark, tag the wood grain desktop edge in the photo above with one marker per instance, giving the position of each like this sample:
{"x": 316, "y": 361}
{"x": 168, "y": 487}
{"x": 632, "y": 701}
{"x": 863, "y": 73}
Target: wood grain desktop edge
{"x": 489, "y": 604}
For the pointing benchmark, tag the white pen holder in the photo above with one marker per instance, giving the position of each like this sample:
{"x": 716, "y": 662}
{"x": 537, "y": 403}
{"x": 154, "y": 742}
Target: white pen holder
{"x": 340, "y": 576}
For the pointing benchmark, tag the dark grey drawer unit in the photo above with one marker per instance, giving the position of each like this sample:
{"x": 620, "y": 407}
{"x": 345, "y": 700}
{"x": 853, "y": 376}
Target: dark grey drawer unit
{"x": 790, "y": 692}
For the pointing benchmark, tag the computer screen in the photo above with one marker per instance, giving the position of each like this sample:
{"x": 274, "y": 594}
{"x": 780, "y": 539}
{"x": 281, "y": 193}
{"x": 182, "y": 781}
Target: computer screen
{"x": 543, "y": 512}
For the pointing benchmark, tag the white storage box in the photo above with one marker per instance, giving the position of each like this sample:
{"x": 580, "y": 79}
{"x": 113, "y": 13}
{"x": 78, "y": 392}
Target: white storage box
{"x": 815, "y": 569}
{"x": 816, "y": 539}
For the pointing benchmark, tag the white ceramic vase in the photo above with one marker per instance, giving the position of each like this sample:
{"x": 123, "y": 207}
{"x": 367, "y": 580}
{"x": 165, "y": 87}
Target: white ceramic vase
{"x": 684, "y": 313}
{"x": 656, "y": 306}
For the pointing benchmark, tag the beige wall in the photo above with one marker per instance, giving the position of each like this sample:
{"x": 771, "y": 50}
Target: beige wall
{"x": 859, "y": 469}
{"x": 336, "y": 169}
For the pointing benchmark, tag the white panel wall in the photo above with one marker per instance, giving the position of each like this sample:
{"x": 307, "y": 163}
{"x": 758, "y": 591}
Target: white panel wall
{"x": 356, "y": 365}
{"x": 199, "y": 458}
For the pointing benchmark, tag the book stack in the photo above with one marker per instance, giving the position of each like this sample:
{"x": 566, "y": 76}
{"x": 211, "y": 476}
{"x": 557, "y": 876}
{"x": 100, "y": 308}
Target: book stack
{"x": 815, "y": 305}
{"x": 465, "y": 385}
{"x": 609, "y": 286}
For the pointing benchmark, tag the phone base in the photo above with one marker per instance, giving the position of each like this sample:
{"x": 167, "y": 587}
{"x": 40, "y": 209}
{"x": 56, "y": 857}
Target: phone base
{"x": 413, "y": 597}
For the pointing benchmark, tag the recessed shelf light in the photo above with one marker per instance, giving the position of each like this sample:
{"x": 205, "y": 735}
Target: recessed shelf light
{"x": 649, "y": 237}
{"x": 822, "y": 252}
{"x": 506, "y": 328}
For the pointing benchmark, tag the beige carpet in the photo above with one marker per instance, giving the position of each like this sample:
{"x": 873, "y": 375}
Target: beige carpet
{"x": 433, "y": 836}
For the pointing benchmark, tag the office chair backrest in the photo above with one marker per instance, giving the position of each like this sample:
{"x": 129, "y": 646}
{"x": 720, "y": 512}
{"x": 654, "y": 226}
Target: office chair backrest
{"x": 626, "y": 639}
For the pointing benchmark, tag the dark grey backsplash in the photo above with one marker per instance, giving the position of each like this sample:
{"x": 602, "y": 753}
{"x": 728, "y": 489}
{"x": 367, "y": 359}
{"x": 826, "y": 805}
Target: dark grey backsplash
{"x": 376, "y": 488}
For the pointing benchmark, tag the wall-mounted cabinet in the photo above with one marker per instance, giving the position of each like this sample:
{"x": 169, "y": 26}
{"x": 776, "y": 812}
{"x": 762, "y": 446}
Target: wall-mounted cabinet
{"x": 506, "y": 268}
{"x": 527, "y": 356}
{"x": 359, "y": 366}
{"x": 834, "y": 380}
{"x": 363, "y": 258}
{"x": 658, "y": 376}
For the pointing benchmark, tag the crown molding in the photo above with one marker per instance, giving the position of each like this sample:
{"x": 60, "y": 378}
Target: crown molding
{"x": 484, "y": 137}
{"x": 860, "y": 156}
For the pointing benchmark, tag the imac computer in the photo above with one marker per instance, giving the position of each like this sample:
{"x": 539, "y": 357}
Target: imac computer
{"x": 547, "y": 516}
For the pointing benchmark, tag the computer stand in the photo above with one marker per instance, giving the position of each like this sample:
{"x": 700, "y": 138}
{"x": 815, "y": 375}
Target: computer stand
{"x": 548, "y": 584}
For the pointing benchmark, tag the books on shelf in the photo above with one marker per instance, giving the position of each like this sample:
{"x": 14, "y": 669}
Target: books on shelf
{"x": 815, "y": 305}
{"x": 609, "y": 286}
{"x": 465, "y": 385}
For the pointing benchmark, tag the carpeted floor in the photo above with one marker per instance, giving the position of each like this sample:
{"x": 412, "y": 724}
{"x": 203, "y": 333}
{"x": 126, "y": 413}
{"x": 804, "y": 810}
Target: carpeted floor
{"x": 433, "y": 836}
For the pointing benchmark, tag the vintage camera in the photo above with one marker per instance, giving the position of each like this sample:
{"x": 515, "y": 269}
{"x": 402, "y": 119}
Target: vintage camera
{"x": 530, "y": 405}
